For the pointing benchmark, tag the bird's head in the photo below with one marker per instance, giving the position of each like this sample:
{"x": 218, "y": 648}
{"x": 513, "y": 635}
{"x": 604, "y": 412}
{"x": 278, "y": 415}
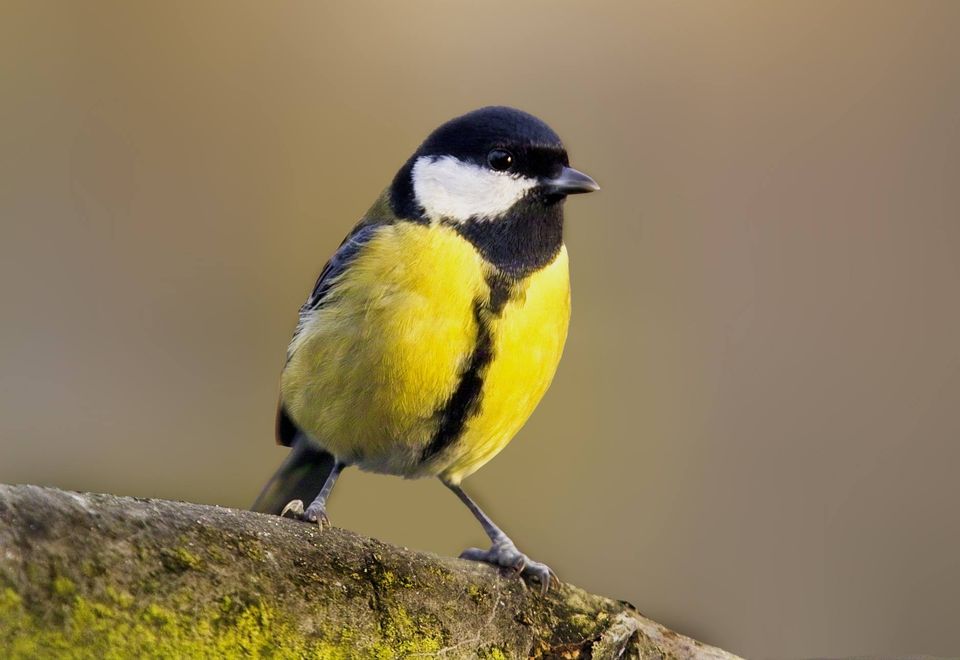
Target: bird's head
{"x": 484, "y": 166}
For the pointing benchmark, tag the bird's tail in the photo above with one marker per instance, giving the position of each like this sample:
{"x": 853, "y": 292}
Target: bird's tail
{"x": 300, "y": 477}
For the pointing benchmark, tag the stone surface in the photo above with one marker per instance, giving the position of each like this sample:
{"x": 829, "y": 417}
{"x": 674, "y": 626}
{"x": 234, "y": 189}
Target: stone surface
{"x": 87, "y": 575}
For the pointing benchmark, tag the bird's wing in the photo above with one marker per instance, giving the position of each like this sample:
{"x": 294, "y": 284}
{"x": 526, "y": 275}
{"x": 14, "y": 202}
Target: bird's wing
{"x": 338, "y": 263}
{"x": 351, "y": 246}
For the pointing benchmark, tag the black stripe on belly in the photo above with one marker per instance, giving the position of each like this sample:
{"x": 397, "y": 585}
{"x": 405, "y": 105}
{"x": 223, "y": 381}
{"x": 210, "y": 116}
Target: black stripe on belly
{"x": 464, "y": 403}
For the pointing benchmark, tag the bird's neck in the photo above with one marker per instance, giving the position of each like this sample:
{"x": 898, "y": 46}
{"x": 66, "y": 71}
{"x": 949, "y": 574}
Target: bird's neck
{"x": 520, "y": 243}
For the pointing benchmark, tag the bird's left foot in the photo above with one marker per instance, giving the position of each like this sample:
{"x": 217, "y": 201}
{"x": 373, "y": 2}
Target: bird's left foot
{"x": 506, "y": 555}
{"x": 314, "y": 513}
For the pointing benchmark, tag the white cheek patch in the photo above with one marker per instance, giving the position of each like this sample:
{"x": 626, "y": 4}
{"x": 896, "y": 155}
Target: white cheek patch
{"x": 450, "y": 188}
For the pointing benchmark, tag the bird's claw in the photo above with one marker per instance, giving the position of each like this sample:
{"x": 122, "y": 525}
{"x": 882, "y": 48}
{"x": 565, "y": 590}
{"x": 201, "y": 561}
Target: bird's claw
{"x": 293, "y": 506}
{"x": 507, "y": 556}
{"x": 313, "y": 513}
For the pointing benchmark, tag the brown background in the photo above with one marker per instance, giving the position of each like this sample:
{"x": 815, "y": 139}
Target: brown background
{"x": 754, "y": 432}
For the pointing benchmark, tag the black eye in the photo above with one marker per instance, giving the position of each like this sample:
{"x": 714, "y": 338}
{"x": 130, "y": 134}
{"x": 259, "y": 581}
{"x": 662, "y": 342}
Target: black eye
{"x": 500, "y": 159}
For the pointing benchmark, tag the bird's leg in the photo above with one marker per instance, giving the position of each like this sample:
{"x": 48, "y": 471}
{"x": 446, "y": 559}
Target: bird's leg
{"x": 503, "y": 552}
{"x": 317, "y": 511}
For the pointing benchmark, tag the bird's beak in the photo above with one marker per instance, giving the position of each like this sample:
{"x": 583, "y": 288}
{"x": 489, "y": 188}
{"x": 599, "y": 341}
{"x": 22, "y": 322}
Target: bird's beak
{"x": 570, "y": 182}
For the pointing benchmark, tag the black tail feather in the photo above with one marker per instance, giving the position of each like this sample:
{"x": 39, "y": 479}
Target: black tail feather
{"x": 300, "y": 477}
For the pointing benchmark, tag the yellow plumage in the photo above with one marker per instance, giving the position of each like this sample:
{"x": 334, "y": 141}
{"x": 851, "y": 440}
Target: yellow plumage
{"x": 373, "y": 366}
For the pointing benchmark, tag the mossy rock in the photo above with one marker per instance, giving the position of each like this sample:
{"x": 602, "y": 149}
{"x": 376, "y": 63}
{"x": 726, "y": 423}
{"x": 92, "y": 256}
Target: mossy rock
{"x": 99, "y": 576}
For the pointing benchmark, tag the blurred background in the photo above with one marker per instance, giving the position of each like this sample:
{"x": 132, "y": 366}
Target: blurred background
{"x": 753, "y": 436}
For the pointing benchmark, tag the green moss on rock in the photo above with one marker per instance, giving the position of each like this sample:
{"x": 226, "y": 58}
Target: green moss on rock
{"x": 63, "y": 586}
{"x": 121, "y": 629}
{"x": 491, "y": 653}
{"x": 179, "y": 559}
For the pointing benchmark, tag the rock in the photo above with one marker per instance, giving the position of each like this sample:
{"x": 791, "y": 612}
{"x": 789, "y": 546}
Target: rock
{"x": 100, "y": 576}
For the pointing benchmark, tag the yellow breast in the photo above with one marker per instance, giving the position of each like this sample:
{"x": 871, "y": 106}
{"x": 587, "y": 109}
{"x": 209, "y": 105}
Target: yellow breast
{"x": 528, "y": 338}
{"x": 373, "y": 369}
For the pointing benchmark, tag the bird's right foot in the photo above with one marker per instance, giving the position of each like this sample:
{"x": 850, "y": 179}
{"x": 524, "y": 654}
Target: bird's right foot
{"x": 315, "y": 513}
{"x": 504, "y": 553}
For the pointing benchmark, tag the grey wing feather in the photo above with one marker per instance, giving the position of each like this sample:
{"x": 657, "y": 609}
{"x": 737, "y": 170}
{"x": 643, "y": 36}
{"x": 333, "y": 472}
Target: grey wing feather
{"x": 338, "y": 264}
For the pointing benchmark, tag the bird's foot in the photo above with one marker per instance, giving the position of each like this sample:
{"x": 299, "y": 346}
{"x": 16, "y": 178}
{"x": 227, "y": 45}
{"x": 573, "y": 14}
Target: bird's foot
{"x": 506, "y": 555}
{"x": 315, "y": 513}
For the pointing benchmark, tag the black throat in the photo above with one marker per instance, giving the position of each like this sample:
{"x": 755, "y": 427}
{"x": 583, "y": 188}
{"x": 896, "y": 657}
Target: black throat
{"x": 523, "y": 241}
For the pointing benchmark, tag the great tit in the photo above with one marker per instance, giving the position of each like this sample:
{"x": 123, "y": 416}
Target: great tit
{"x": 436, "y": 327}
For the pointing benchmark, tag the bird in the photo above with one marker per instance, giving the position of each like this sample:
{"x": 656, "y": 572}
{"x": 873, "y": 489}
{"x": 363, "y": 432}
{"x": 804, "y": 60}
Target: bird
{"x": 437, "y": 326}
